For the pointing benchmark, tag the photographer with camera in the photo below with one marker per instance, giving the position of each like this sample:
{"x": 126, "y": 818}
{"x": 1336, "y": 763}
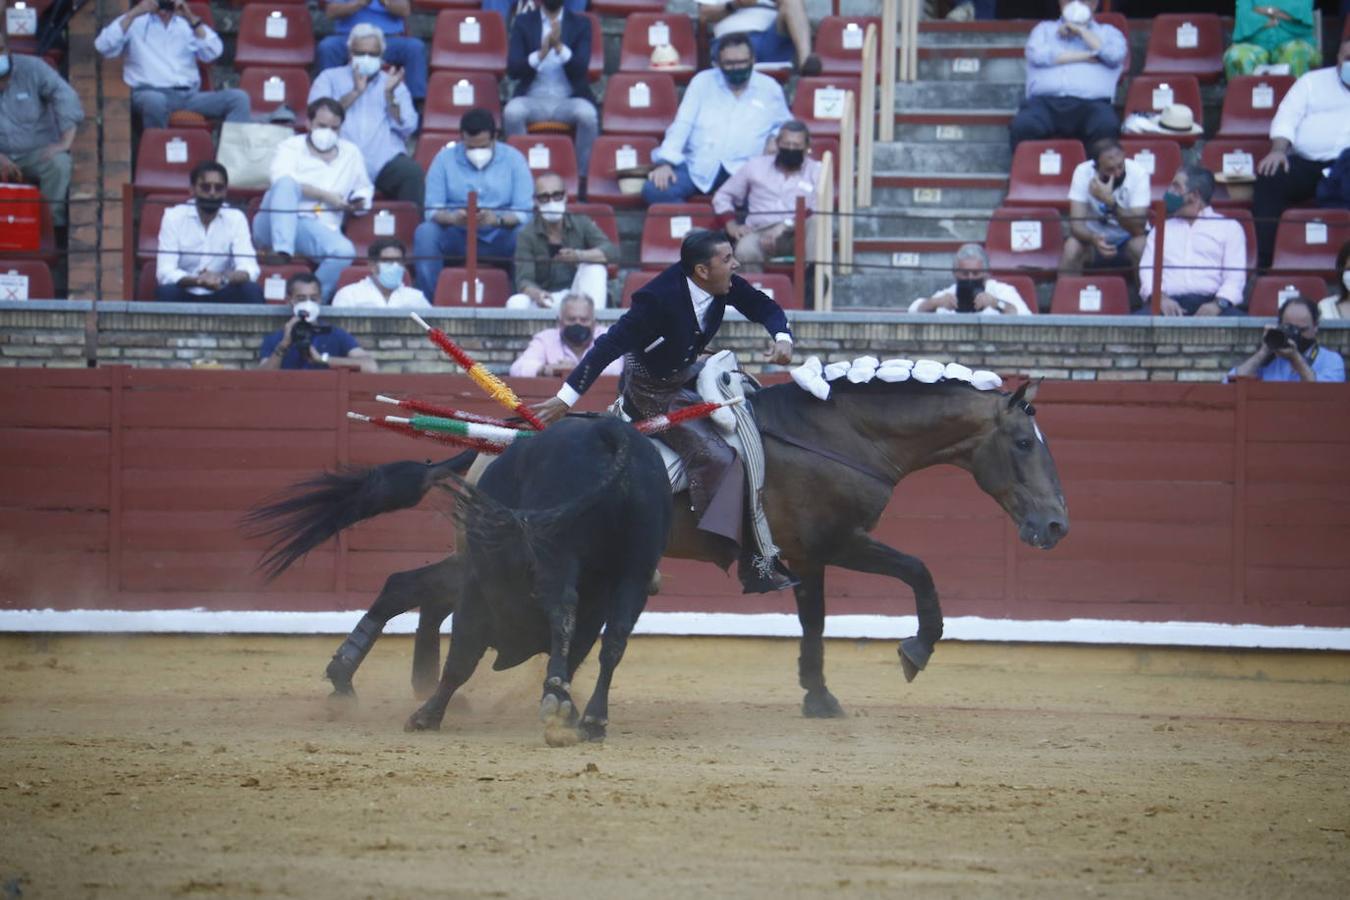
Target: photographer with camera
{"x": 1289, "y": 350}
{"x": 974, "y": 291}
{"x": 303, "y": 344}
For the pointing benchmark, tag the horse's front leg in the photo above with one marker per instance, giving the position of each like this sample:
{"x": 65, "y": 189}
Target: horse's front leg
{"x": 818, "y": 703}
{"x": 866, "y": 555}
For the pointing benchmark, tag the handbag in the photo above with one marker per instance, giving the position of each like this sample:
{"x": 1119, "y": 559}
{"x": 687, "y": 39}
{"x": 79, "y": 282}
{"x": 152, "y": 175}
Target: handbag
{"x": 246, "y": 150}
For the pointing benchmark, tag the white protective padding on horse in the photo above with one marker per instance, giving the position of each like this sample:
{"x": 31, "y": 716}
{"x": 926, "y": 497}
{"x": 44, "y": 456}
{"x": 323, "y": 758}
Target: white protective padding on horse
{"x": 892, "y": 374}
{"x": 808, "y": 376}
{"x": 836, "y": 370}
{"x": 986, "y": 380}
{"x": 710, "y": 388}
{"x": 928, "y": 371}
{"x": 897, "y": 361}
{"x": 956, "y": 372}
{"x": 863, "y": 369}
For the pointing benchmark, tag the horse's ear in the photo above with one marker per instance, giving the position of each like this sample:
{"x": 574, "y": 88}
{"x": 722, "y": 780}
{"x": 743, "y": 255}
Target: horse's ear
{"x": 1017, "y": 396}
{"x": 1031, "y": 388}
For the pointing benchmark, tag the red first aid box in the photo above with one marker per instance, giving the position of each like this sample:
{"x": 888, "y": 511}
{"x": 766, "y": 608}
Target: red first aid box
{"x": 20, "y": 217}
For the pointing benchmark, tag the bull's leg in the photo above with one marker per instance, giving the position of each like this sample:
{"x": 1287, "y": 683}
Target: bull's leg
{"x": 427, "y": 642}
{"x": 818, "y": 703}
{"x": 468, "y": 643}
{"x": 628, "y": 604}
{"x": 866, "y": 555}
{"x": 559, "y": 597}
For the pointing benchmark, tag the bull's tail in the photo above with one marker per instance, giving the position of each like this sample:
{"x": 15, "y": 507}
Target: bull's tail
{"x": 310, "y": 512}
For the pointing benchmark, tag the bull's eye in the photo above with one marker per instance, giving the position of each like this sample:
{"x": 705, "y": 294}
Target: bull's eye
{"x": 1023, "y": 444}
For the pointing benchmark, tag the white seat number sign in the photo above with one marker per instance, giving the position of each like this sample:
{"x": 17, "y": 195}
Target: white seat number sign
{"x": 1051, "y": 162}
{"x": 658, "y": 33}
{"x": 539, "y": 157}
{"x": 625, "y": 158}
{"x": 1285, "y": 293}
{"x": 1147, "y": 161}
{"x": 384, "y": 223}
{"x": 1188, "y": 36}
{"x": 1263, "y": 96}
{"x": 477, "y": 291}
{"x": 1239, "y": 163}
{"x": 1315, "y": 233}
{"x": 470, "y": 32}
{"x": 640, "y": 96}
{"x": 680, "y": 226}
{"x": 276, "y": 26}
{"x": 1025, "y": 235}
{"x": 274, "y": 90}
{"x": 1162, "y": 96}
{"x": 274, "y": 288}
{"x": 13, "y": 286}
{"x": 175, "y": 151}
{"x": 21, "y": 19}
{"x": 852, "y": 37}
{"x": 1090, "y": 299}
{"x": 462, "y": 93}
{"x": 828, "y": 103}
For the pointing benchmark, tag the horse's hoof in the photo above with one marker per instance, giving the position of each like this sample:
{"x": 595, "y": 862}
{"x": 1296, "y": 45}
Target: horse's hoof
{"x": 559, "y": 721}
{"x": 422, "y": 721}
{"x": 914, "y": 656}
{"x": 342, "y": 695}
{"x": 593, "y": 729}
{"x": 821, "y": 705}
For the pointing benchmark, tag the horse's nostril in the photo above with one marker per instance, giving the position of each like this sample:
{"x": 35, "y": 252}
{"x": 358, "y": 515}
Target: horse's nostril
{"x": 1056, "y": 528}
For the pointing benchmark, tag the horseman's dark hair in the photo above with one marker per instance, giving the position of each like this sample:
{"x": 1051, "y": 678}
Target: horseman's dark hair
{"x": 477, "y": 121}
{"x": 207, "y": 165}
{"x": 699, "y": 246}
{"x": 329, "y": 104}
{"x": 1300, "y": 300}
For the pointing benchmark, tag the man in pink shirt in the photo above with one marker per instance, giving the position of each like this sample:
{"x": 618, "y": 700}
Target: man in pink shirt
{"x": 767, "y": 187}
{"x": 555, "y": 352}
{"x": 1204, "y": 254}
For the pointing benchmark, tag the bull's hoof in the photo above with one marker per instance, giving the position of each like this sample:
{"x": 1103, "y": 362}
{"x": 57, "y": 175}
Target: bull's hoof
{"x": 593, "y": 729}
{"x": 422, "y": 720}
{"x": 559, "y": 717}
{"x": 914, "y": 656}
{"x": 821, "y": 704}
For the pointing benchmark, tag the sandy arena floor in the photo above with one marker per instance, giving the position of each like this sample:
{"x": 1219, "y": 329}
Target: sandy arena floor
{"x": 215, "y": 766}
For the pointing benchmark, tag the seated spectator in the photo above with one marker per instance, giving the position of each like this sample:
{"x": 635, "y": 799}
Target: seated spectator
{"x": 379, "y": 114}
{"x": 205, "y": 253}
{"x": 560, "y": 253}
{"x": 310, "y": 346}
{"x": 163, "y": 41}
{"x": 1307, "y": 135}
{"x": 968, "y": 10}
{"x": 1337, "y": 304}
{"x": 317, "y": 178}
{"x": 1108, "y": 211}
{"x": 767, "y": 187}
{"x": 498, "y": 172}
{"x": 701, "y": 149}
{"x": 974, "y": 291}
{"x": 549, "y": 53}
{"x": 383, "y": 288}
{"x": 555, "y": 352}
{"x": 779, "y": 30}
{"x": 38, "y": 116}
{"x": 509, "y": 9}
{"x": 1289, "y": 350}
{"x": 1205, "y": 257}
{"x": 1272, "y": 33}
{"x": 389, "y": 17}
{"x": 1073, "y": 66}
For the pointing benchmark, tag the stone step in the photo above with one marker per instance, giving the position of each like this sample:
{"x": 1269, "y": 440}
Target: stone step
{"x": 969, "y": 64}
{"x": 943, "y": 158}
{"x": 896, "y": 289}
{"x": 880, "y": 224}
{"x": 955, "y": 95}
{"x": 1005, "y": 33}
{"x": 979, "y": 129}
{"x": 916, "y": 190}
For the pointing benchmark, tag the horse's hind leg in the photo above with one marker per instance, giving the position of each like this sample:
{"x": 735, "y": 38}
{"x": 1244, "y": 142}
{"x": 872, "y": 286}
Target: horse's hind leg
{"x": 818, "y": 703}
{"x": 867, "y": 555}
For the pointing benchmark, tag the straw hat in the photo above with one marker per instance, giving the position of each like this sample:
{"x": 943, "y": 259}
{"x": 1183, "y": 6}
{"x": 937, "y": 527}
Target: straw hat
{"x": 1178, "y": 119}
{"x": 665, "y": 56}
{"x": 631, "y": 180}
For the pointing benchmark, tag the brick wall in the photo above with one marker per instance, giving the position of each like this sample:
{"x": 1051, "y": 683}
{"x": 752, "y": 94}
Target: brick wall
{"x": 1060, "y": 347}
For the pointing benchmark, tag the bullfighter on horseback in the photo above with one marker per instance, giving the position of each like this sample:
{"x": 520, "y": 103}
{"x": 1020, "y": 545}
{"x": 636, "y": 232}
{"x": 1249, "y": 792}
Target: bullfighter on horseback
{"x": 672, "y": 319}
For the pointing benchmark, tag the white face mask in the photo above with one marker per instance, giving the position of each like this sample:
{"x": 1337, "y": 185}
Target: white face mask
{"x": 323, "y": 139}
{"x": 390, "y": 275}
{"x": 1345, "y": 279}
{"x": 1077, "y": 13}
{"x": 553, "y": 210}
{"x": 309, "y": 309}
{"x": 479, "y": 157}
{"x": 366, "y": 65}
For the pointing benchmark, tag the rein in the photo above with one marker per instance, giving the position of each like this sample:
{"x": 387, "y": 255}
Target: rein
{"x": 830, "y": 455}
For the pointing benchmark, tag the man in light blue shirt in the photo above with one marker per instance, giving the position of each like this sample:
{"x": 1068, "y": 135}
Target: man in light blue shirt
{"x": 729, "y": 114}
{"x": 1289, "y": 350}
{"x": 1073, "y": 66}
{"x": 500, "y": 176}
{"x": 389, "y": 16}
{"x": 380, "y": 114}
{"x": 164, "y": 41}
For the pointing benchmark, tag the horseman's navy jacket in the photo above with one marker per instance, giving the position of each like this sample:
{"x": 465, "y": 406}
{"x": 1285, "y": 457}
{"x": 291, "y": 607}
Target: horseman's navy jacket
{"x": 660, "y": 328}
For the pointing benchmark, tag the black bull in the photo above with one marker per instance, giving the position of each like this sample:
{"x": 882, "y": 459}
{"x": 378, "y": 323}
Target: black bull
{"x": 831, "y": 468}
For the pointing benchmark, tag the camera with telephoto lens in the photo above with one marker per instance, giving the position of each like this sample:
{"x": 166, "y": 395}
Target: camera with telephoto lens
{"x": 1281, "y": 336}
{"x": 302, "y": 335}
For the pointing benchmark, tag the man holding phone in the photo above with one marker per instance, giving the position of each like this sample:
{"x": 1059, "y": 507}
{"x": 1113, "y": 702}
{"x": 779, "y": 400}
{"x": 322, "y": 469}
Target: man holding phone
{"x": 1108, "y": 211}
{"x": 974, "y": 291}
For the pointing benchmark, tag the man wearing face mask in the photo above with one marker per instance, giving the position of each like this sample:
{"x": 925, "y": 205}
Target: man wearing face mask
{"x": 555, "y": 352}
{"x": 499, "y": 175}
{"x": 205, "y": 252}
{"x": 767, "y": 187}
{"x": 1108, "y": 211}
{"x": 549, "y": 53}
{"x": 38, "y": 116}
{"x": 383, "y": 288}
{"x": 380, "y": 115}
{"x": 1205, "y": 254}
{"x": 1307, "y": 135}
{"x": 1289, "y": 350}
{"x": 317, "y": 179}
{"x": 164, "y": 41}
{"x": 973, "y": 291}
{"x": 728, "y": 115}
{"x": 559, "y": 253}
{"x": 310, "y": 345}
{"x": 1073, "y": 66}
{"x": 389, "y": 18}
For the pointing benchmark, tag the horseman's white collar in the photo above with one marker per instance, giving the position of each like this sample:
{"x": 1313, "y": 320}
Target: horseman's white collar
{"x": 701, "y": 300}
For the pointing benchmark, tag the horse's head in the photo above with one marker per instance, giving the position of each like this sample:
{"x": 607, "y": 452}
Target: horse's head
{"x": 1013, "y": 465}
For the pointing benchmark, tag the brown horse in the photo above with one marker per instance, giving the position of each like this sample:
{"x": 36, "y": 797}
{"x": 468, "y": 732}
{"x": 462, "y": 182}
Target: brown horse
{"x": 831, "y": 467}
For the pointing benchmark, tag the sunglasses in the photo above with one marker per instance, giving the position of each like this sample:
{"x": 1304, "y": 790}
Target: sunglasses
{"x": 551, "y": 198}
{"x": 211, "y": 187}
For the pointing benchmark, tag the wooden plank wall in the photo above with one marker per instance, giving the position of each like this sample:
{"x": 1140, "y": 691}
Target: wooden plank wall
{"x": 122, "y": 488}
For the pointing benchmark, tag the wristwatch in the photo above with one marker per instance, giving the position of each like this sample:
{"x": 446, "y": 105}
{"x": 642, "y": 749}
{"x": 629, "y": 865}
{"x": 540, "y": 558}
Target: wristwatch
{"x": 1224, "y": 304}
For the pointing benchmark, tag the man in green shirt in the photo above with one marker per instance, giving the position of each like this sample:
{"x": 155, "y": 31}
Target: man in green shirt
{"x": 558, "y": 252}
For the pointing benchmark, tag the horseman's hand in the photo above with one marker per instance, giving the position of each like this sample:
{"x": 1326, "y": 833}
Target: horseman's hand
{"x": 780, "y": 353}
{"x": 550, "y": 410}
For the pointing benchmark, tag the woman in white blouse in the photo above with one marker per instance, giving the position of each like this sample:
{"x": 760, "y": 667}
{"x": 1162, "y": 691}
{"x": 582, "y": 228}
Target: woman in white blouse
{"x": 1337, "y": 305}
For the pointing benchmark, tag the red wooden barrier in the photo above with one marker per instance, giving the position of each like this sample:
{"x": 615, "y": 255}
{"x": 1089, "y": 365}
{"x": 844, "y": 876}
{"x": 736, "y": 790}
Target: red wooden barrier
{"x": 122, "y": 488}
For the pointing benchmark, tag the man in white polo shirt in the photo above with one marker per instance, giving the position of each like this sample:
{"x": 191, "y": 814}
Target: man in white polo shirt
{"x": 384, "y": 287}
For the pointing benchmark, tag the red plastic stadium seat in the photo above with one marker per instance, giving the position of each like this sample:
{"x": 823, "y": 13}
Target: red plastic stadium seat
{"x": 452, "y": 288}
{"x": 272, "y": 279}
{"x": 643, "y": 31}
{"x": 665, "y": 227}
{"x": 819, "y": 102}
{"x": 166, "y": 156}
{"x": 275, "y": 34}
{"x": 839, "y": 43}
{"x": 1026, "y": 289}
{"x": 387, "y": 218}
{"x": 606, "y": 154}
{"x": 1222, "y": 154}
{"x": 1041, "y": 172}
{"x": 1308, "y": 240}
{"x": 1266, "y": 293}
{"x": 639, "y": 103}
{"x": 1164, "y": 158}
{"x": 627, "y": 7}
{"x": 777, "y": 285}
{"x": 430, "y": 143}
{"x": 1185, "y": 44}
{"x": 451, "y": 94}
{"x": 1100, "y": 295}
{"x": 1249, "y": 103}
{"x": 269, "y": 87}
{"x": 631, "y": 283}
{"x": 596, "y": 68}
{"x": 36, "y": 281}
{"x": 431, "y": 6}
{"x": 469, "y": 41}
{"x": 1026, "y": 239}
{"x": 146, "y": 282}
{"x": 152, "y": 213}
{"x": 1148, "y": 94}
{"x": 550, "y": 153}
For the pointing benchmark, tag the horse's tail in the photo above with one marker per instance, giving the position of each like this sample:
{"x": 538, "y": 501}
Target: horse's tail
{"x": 308, "y": 513}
